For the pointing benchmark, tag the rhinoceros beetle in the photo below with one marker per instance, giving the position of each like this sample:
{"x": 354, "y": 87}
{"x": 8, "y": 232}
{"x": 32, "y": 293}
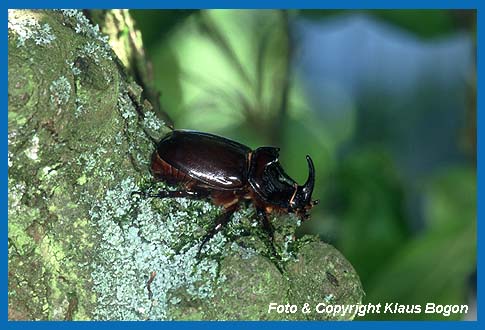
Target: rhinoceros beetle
{"x": 204, "y": 165}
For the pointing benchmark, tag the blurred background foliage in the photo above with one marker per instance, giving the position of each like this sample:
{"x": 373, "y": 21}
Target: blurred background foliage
{"x": 385, "y": 103}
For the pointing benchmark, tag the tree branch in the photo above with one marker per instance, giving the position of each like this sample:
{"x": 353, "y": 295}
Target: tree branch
{"x": 81, "y": 247}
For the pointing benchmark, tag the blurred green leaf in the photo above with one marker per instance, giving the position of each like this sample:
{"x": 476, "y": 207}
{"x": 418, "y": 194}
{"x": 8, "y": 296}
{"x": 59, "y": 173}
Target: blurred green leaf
{"x": 367, "y": 196}
{"x": 426, "y": 23}
{"x": 156, "y": 24}
{"x": 435, "y": 266}
{"x": 230, "y": 66}
{"x": 451, "y": 198}
{"x": 168, "y": 81}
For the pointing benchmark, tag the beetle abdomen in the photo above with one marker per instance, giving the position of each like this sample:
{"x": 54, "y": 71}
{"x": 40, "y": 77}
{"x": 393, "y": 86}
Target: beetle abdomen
{"x": 220, "y": 163}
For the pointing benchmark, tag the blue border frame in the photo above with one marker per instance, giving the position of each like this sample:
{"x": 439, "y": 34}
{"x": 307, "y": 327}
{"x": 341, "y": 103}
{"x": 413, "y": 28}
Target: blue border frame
{"x": 332, "y": 4}
{"x": 302, "y": 4}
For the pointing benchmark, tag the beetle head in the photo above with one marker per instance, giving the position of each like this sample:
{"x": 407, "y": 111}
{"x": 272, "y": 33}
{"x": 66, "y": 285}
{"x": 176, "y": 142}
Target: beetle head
{"x": 275, "y": 187}
{"x": 301, "y": 202}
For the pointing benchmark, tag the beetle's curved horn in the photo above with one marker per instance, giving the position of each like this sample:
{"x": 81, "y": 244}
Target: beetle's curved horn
{"x": 307, "y": 188}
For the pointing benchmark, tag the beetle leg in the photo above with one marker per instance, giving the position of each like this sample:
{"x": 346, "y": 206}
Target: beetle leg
{"x": 221, "y": 221}
{"x": 267, "y": 226}
{"x": 269, "y": 229}
{"x": 195, "y": 194}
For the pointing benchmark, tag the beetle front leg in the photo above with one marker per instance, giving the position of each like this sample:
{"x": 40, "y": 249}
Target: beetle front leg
{"x": 194, "y": 194}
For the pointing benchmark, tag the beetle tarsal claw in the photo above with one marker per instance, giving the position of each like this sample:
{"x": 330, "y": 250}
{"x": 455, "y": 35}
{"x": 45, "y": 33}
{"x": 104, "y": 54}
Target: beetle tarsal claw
{"x": 141, "y": 194}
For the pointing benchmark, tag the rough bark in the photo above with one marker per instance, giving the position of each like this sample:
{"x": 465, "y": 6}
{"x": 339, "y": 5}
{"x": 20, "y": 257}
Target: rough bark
{"x": 80, "y": 246}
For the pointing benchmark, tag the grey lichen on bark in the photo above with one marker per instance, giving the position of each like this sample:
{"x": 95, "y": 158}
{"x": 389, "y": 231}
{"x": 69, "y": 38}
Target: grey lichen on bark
{"x": 82, "y": 247}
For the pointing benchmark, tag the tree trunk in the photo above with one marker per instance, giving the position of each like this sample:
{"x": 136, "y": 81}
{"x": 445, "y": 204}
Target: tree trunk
{"x": 81, "y": 246}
